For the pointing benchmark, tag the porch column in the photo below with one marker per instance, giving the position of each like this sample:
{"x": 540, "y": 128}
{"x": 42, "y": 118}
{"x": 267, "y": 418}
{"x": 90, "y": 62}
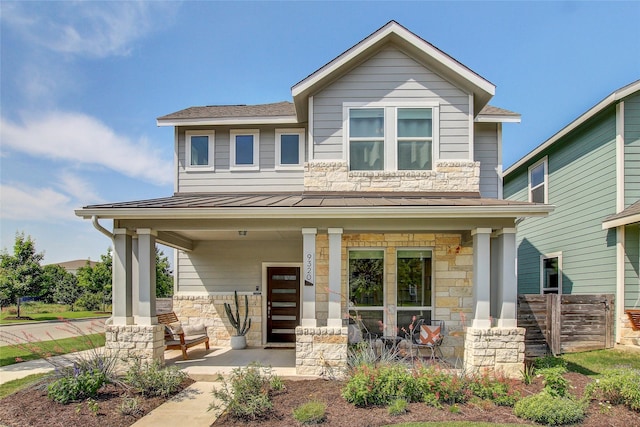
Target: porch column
{"x": 309, "y": 277}
{"x": 122, "y": 278}
{"x": 146, "y": 276}
{"x": 334, "y": 319}
{"x": 507, "y": 282}
{"x": 135, "y": 280}
{"x": 481, "y": 278}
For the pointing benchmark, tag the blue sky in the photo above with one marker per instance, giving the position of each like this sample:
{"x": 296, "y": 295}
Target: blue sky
{"x": 83, "y": 82}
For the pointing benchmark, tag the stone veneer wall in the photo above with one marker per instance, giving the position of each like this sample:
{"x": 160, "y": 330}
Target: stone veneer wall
{"x": 496, "y": 350}
{"x": 209, "y": 310}
{"x": 448, "y": 175}
{"x": 627, "y": 335}
{"x": 126, "y": 342}
{"x": 321, "y": 351}
{"x": 453, "y": 278}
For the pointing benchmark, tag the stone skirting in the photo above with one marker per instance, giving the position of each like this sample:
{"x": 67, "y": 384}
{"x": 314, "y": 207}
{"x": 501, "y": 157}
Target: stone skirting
{"x": 208, "y": 310}
{"x": 321, "y": 351}
{"x": 129, "y": 342}
{"x": 448, "y": 175}
{"x": 496, "y": 350}
{"x": 627, "y": 335}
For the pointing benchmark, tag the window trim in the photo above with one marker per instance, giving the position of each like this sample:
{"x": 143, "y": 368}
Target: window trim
{"x": 545, "y": 162}
{"x": 541, "y": 270}
{"x": 390, "y": 139}
{"x": 301, "y": 148}
{"x": 210, "y": 166}
{"x": 256, "y": 149}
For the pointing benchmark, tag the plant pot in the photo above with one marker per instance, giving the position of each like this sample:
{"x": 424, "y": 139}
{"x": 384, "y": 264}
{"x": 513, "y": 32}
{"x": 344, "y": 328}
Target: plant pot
{"x": 238, "y": 342}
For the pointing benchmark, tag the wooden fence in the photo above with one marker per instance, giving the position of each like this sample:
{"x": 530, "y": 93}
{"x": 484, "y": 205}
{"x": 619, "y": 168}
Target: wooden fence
{"x": 559, "y": 324}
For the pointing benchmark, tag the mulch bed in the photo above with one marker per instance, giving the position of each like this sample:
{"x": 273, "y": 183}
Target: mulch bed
{"x": 31, "y": 408}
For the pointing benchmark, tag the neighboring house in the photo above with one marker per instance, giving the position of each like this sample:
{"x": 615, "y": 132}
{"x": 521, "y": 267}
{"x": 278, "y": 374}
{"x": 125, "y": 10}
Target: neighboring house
{"x": 73, "y": 266}
{"x": 589, "y": 170}
{"x": 379, "y": 187}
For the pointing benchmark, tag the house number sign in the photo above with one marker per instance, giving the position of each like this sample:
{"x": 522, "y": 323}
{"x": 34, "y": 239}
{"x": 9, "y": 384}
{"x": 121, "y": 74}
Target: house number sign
{"x": 309, "y": 273}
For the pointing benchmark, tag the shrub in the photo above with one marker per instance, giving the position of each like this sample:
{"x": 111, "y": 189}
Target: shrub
{"x": 546, "y": 409}
{"x": 397, "y": 407}
{"x": 618, "y": 386}
{"x": 151, "y": 379}
{"x": 554, "y": 383}
{"x": 76, "y": 387}
{"x": 310, "y": 413}
{"x": 446, "y": 387}
{"x": 90, "y": 301}
{"x": 130, "y": 406}
{"x": 549, "y": 361}
{"x": 247, "y": 394}
{"x": 494, "y": 389}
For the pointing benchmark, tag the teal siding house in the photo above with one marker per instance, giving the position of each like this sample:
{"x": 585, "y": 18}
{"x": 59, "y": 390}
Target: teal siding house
{"x": 590, "y": 171}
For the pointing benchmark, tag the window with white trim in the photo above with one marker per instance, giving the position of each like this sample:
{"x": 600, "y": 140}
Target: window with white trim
{"x": 414, "y": 290}
{"x": 245, "y": 149}
{"x": 199, "y": 150}
{"x": 366, "y": 288}
{"x": 384, "y": 136}
{"x": 551, "y": 273}
{"x": 539, "y": 182}
{"x": 289, "y": 148}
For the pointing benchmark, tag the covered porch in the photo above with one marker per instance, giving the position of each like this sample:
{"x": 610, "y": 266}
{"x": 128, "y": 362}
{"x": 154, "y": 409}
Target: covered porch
{"x": 469, "y": 242}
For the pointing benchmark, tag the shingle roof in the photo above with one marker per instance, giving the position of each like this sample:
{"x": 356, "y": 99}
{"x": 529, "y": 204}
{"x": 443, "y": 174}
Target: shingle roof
{"x": 309, "y": 199}
{"x": 278, "y": 109}
{"x": 632, "y": 210}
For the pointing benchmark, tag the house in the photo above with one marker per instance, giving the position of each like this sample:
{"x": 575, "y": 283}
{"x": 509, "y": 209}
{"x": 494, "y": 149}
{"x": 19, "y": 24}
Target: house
{"x": 589, "y": 170}
{"x": 376, "y": 193}
{"x": 73, "y": 266}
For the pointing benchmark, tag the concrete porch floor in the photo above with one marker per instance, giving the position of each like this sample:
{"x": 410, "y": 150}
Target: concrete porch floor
{"x": 205, "y": 365}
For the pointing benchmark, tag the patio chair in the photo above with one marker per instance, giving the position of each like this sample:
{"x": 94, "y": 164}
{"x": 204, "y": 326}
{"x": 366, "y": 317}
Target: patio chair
{"x": 428, "y": 335}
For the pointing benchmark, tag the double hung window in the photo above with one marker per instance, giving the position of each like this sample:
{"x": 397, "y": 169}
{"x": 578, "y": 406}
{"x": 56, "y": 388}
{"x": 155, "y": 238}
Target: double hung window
{"x": 551, "y": 273}
{"x": 538, "y": 182}
{"x": 199, "y": 150}
{"x": 366, "y": 138}
{"x": 415, "y": 138}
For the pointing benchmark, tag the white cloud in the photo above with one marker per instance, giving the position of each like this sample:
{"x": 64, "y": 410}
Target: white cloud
{"x": 94, "y": 29}
{"x": 79, "y": 138}
{"x": 29, "y": 203}
{"x": 79, "y": 188}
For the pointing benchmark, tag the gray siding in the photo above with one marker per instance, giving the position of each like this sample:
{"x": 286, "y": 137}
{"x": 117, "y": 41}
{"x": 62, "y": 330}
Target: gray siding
{"x": 632, "y": 266}
{"x": 582, "y": 187}
{"x": 632, "y": 149}
{"x": 486, "y": 152}
{"x": 223, "y": 266}
{"x": 224, "y": 180}
{"x": 392, "y": 76}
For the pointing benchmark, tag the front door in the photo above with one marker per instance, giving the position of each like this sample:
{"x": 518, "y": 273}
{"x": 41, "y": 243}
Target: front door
{"x": 283, "y": 303}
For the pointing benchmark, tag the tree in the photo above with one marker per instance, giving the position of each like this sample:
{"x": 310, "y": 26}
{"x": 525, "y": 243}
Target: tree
{"x": 65, "y": 289}
{"x": 97, "y": 279}
{"x": 52, "y": 274}
{"x": 164, "y": 276}
{"x": 20, "y": 273}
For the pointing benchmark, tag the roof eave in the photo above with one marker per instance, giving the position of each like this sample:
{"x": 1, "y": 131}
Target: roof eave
{"x": 495, "y": 118}
{"x": 618, "y": 222}
{"x": 229, "y": 121}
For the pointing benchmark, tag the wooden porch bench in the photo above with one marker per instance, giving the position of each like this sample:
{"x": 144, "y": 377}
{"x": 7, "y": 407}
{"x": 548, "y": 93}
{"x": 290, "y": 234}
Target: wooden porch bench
{"x": 174, "y": 335}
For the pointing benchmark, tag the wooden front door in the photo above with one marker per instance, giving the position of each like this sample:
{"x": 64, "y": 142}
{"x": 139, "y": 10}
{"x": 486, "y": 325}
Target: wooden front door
{"x": 283, "y": 303}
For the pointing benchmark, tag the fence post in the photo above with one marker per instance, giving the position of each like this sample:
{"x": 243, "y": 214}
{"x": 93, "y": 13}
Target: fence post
{"x": 556, "y": 323}
{"x": 610, "y": 320}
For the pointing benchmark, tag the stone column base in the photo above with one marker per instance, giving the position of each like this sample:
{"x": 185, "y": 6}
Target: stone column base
{"x": 126, "y": 343}
{"x": 498, "y": 351}
{"x": 321, "y": 351}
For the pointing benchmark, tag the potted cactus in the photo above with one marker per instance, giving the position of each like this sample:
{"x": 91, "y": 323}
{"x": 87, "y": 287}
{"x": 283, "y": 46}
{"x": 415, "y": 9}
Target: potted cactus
{"x": 239, "y": 340}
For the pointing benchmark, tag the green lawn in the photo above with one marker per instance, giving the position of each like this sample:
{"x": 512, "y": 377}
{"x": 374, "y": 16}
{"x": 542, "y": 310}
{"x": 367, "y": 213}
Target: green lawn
{"x": 44, "y": 312}
{"x": 12, "y": 386}
{"x": 32, "y": 351}
{"x": 596, "y": 362}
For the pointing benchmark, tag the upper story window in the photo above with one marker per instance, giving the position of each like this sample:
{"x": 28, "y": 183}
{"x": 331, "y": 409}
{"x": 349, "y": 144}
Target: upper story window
{"x": 366, "y": 139}
{"x": 245, "y": 149}
{"x": 539, "y": 182}
{"x": 289, "y": 148}
{"x": 392, "y": 137}
{"x": 199, "y": 150}
{"x": 551, "y": 273}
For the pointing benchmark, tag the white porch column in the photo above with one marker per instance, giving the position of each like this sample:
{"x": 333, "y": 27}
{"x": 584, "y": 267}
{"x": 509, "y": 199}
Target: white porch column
{"x": 135, "y": 279}
{"x": 334, "y": 319}
{"x": 481, "y": 278}
{"x": 507, "y": 282}
{"x": 309, "y": 277}
{"x": 122, "y": 278}
{"x": 146, "y": 277}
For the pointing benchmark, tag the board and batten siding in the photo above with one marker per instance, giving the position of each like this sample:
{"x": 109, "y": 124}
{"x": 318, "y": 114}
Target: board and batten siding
{"x": 391, "y": 76}
{"x": 224, "y": 180}
{"x": 486, "y": 152}
{"x": 225, "y": 266}
{"x": 632, "y": 149}
{"x": 582, "y": 178}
